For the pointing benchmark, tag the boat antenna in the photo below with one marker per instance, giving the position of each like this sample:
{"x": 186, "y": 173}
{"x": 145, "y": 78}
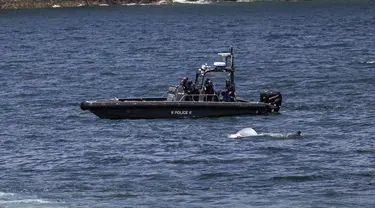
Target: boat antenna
{"x": 232, "y": 67}
{"x": 231, "y": 57}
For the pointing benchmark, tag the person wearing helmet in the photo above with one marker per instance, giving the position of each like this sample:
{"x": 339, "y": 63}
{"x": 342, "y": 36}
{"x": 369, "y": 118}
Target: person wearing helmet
{"x": 181, "y": 89}
{"x": 229, "y": 92}
{"x": 209, "y": 89}
{"x": 183, "y": 82}
{"x": 189, "y": 90}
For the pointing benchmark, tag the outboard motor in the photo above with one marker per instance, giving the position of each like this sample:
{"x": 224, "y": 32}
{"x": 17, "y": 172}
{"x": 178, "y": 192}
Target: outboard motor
{"x": 271, "y": 97}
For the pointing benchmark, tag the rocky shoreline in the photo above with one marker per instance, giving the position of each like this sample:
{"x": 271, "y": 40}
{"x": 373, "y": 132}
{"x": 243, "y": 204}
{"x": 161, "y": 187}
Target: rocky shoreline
{"x": 23, "y": 4}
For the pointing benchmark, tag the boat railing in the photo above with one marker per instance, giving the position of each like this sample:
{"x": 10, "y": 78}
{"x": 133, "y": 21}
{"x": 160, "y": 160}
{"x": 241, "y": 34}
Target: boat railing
{"x": 200, "y": 97}
{"x": 164, "y": 94}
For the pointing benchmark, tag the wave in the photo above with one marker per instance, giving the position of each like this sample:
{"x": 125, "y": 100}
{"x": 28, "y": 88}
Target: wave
{"x": 280, "y": 135}
{"x": 7, "y": 199}
{"x": 297, "y": 178}
{"x": 140, "y": 4}
{"x": 25, "y": 201}
{"x": 215, "y": 175}
{"x": 207, "y": 161}
{"x": 370, "y": 63}
{"x": 316, "y": 107}
{"x": 192, "y": 2}
{"x": 2, "y": 194}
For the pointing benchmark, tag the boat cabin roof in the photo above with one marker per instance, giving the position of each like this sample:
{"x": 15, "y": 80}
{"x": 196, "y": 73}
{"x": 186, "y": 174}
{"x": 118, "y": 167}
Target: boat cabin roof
{"x": 220, "y": 66}
{"x": 227, "y": 66}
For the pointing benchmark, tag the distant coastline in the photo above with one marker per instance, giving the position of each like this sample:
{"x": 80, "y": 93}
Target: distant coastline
{"x": 21, "y": 4}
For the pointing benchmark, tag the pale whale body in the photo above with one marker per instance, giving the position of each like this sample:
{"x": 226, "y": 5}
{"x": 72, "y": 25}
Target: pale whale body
{"x": 246, "y": 132}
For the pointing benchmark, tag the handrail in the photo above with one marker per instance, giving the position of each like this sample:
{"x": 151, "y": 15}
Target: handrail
{"x": 214, "y": 97}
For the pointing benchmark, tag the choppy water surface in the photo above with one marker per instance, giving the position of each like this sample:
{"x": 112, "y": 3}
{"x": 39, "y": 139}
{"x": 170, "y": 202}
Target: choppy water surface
{"x": 319, "y": 55}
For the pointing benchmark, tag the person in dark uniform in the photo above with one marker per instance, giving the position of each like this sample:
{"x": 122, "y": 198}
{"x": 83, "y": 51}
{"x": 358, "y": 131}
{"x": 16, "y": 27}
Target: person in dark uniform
{"x": 189, "y": 90}
{"x": 184, "y": 82}
{"x": 229, "y": 92}
{"x": 209, "y": 90}
{"x": 190, "y": 87}
{"x": 181, "y": 89}
{"x": 209, "y": 87}
{"x": 193, "y": 91}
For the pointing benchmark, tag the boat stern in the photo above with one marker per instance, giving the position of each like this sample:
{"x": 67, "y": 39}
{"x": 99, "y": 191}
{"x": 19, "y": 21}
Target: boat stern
{"x": 273, "y": 98}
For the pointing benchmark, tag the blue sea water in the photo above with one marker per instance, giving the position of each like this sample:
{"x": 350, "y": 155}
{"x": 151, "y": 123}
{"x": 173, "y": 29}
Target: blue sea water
{"x": 319, "y": 55}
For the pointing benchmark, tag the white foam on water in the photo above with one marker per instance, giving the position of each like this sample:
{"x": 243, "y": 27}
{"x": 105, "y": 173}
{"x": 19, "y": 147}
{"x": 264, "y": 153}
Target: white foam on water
{"x": 192, "y": 2}
{"x": 18, "y": 200}
{"x": 25, "y": 201}
{"x": 279, "y": 135}
{"x": 162, "y": 2}
{"x": 6, "y": 194}
{"x": 276, "y": 135}
{"x": 370, "y": 62}
{"x": 130, "y": 4}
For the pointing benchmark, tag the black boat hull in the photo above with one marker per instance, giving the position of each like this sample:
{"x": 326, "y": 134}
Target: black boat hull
{"x": 146, "y": 109}
{"x": 191, "y": 99}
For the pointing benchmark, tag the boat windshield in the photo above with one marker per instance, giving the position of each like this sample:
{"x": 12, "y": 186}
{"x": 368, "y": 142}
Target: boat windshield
{"x": 218, "y": 79}
{"x": 219, "y": 73}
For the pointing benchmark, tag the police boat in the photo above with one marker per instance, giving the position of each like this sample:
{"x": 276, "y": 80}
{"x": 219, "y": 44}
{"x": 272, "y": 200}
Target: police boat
{"x": 191, "y": 99}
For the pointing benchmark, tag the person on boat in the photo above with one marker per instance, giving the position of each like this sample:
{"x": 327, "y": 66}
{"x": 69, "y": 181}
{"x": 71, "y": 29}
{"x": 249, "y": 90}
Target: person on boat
{"x": 209, "y": 87}
{"x": 209, "y": 90}
{"x": 189, "y": 87}
{"x": 183, "y": 82}
{"x": 181, "y": 89}
{"x": 229, "y": 92}
{"x": 193, "y": 91}
{"x": 190, "y": 90}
